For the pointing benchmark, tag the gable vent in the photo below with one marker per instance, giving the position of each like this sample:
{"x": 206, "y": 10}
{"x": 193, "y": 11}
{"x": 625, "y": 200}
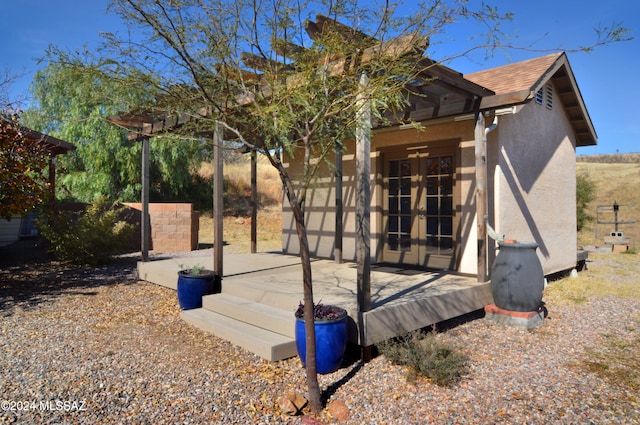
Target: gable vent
{"x": 549, "y": 93}
{"x": 540, "y": 97}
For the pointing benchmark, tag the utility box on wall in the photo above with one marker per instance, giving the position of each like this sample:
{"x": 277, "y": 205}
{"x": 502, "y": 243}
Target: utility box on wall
{"x": 174, "y": 227}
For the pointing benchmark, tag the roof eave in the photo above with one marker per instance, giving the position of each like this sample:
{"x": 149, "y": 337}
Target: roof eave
{"x": 521, "y": 97}
{"x": 55, "y": 145}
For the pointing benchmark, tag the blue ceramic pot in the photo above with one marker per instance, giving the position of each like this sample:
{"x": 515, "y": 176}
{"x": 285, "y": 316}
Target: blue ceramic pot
{"x": 331, "y": 343}
{"x": 191, "y": 288}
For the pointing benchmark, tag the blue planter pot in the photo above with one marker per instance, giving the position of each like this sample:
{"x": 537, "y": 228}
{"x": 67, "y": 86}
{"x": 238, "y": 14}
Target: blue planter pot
{"x": 191, "y": 288}
{"x": 331, "y": 343}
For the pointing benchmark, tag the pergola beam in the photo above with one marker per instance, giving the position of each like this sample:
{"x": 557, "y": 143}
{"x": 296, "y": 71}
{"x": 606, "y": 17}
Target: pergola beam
{"x": 286, "y": 48}
{"x": 260, "y": 63}
{"x": 325, "y": 25}
{"x": 452, "y": 79}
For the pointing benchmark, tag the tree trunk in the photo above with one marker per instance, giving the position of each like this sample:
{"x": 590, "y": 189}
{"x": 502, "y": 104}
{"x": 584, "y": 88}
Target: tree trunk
{"x": 315, "y": 398}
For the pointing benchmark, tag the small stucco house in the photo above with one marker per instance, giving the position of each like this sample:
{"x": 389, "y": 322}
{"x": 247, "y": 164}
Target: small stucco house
{"x": 423, "y": 181}
{"x": 494, "y": 154}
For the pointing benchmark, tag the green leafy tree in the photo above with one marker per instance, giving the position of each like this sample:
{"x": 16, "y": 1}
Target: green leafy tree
{"x": 254, "y": 70}
{"x": 74, "y": 106}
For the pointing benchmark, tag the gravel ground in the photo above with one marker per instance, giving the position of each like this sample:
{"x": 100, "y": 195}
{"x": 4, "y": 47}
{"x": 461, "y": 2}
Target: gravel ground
{"x": 85, "y": 346}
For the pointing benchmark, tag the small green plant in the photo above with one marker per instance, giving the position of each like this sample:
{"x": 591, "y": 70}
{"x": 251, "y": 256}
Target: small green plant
{"x": 194, "y": 270}
{"x": 91, "y": 237}
{"x": 426, "y": 355}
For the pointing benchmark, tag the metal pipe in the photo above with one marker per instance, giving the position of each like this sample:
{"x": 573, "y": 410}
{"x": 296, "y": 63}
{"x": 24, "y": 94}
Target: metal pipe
{"x": 490, "y": 230}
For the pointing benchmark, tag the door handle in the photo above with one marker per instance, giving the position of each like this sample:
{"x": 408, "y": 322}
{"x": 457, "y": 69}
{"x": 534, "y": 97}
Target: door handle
{"x": 421, "y": 212}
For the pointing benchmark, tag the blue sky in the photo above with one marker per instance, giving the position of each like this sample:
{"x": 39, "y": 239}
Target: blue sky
{"x": 608, "y": 77}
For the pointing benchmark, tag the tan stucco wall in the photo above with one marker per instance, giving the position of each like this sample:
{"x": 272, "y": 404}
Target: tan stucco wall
{"x": 533, "y": 170}
{"x": 320, "y": 217}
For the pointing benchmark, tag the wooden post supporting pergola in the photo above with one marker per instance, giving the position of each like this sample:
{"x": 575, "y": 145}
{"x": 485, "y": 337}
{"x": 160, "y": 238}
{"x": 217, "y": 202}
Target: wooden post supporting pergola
{"x": 339, "y": 205}
{"x": 145, "y": 221}
{"x": 363, "y": 199}
{"x": 481, "y": 194}
{"x": 254, "y": 201}
{"x": 218, "y": 202}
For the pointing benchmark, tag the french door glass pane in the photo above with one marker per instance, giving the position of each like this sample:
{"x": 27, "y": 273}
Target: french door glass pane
{"x": 432, "y": 205}
{"x": 399, "y": 205}
{"x": 439, "y": 203}
{"x": 446, "y": 245}
{"x": 446, "y": 226}
{"x": 446, "y": 206}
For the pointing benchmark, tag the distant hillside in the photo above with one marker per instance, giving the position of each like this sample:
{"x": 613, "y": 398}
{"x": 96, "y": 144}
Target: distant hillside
{"x": 617, "y": 158}
{"x": 617, "y": 179}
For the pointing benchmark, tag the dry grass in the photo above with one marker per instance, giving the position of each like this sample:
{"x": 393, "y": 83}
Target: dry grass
{"x": 237, "y": 211}
{"x": 237, "y": 231}
{"x": 238, "y": 178}
{"x": 617, "y": 359}
{"x": 614, "y": 182}
{"x": 237, "y": 185}
{"x": 607, "y": 275}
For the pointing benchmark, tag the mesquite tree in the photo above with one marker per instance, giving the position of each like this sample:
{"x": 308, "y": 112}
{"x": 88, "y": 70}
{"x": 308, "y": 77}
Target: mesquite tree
{"x": 280, "y": 77}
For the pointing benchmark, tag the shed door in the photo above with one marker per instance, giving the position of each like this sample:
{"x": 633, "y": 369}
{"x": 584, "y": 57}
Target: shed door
{"x": 419, "y": 209}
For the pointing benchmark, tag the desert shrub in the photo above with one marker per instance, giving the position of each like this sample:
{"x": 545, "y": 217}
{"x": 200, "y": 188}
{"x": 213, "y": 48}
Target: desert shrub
{"x": 585, "y": 194}
{"x": 90, "y": 237}
{"x": 426, "y": 355}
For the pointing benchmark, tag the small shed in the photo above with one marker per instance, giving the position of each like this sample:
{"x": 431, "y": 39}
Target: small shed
{"x": 494, "y": 154}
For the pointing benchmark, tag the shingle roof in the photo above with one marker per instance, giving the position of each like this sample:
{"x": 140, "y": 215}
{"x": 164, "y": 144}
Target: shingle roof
{"x": 517, "y": 83}
{"x": 516, "y": 76}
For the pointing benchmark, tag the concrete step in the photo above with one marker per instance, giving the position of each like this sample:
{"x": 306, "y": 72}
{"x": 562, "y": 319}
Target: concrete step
{"x": 266, "y": 344}
{"x": 260, "y": 315}
{"x": 263, "y": 294}
{"x": 163, "y": 273}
